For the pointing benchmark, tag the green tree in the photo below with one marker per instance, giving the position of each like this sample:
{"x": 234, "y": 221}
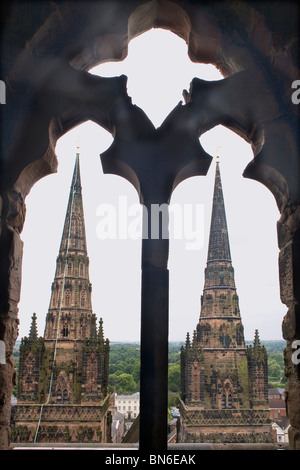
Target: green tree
{"x": 136, "y": 371}
{"x": 174, "y": 377}
{"x": 123, "y": 383}
{"x": 173, "y": 398}
{"x": 275, "y": 371}
{"x": 117, "y": 368}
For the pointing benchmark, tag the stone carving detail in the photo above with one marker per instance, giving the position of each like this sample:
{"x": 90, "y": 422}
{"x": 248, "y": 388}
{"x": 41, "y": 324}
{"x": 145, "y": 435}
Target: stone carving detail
{"x": 226, "y": 417}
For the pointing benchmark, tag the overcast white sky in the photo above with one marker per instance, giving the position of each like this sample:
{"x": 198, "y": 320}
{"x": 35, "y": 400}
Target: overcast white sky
{"x": 156, "y": 81}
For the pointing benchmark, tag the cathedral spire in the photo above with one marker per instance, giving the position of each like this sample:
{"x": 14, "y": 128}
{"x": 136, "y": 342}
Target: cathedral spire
{"x": 69, "y": 366}
{"x": 70, "y": 311}
{"x": 220, "y": 321}
{"x": 218, "y": 248}
{"x": 73, "y": 236}
{"x": 220, "y": 376}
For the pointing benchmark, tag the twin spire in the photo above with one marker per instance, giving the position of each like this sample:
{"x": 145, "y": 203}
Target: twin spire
{"x": 73, "y": 236}
{"x": 218, "y": 247}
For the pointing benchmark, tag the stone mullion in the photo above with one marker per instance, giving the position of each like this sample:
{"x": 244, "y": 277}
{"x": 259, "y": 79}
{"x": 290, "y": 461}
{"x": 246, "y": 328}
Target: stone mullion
{"x": 289, "y": 270}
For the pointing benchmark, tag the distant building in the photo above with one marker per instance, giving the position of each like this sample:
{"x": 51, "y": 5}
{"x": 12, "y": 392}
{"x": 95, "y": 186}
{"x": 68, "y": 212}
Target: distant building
{"x": 277, "y": 408}
{"x": 128, "y": 405}
{"x": 276, "y": 393}
{"x": 280, "y": 429}
{"x": 280, "y": 421}
{"x": 224, "y": 384}
{"x": 277, "y": 403}
{"x": 63, "y": 376}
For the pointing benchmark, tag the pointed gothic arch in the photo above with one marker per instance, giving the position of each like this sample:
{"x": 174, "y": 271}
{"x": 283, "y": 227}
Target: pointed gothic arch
{"x": 227, "y": 394}
{"x": 62, "y": 390}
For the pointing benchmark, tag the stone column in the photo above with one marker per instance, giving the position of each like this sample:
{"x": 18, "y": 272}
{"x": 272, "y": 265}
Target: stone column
{"x": 154, "y": 333}
{"x": 11, "y": 250}
{"x": 289, "y": 270}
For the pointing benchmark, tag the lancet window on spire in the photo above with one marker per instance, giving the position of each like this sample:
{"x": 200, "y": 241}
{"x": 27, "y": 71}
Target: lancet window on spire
{"x": 65, "y": 331}
{"x": 69, "y": 268}
{"x": 67, "y": 298}
{"x": 82, "y": 299}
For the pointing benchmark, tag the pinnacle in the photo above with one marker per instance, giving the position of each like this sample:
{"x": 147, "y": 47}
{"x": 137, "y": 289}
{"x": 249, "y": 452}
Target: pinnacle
{"x": 256, "y": 339}
{"x": 33, "y": 333}
{"x": 101, "y": 332}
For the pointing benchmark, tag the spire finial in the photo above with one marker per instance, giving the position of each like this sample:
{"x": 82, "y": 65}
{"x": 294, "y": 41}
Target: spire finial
{"x": 256, "y": 339}
{"x": 78, "y": 144}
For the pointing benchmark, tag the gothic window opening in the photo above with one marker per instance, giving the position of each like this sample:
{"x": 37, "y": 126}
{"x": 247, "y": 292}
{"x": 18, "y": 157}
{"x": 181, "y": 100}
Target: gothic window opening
{"x": 62, "y": 389}
{"x": 226, "y": 402}
{"x": 65, "y": 331}
{"x": 239, "y": 335}
{"x": 223, "y": 401}
{"x": 69, "y": 268}
{"x": 54, "y": 298}
{"x": 58, "y": 396}
{"x": 82, "y": 299}
{"x": 67, "y": 298}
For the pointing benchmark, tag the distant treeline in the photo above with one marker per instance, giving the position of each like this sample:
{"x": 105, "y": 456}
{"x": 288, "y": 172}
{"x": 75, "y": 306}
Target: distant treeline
{"x": 125, "y": 367}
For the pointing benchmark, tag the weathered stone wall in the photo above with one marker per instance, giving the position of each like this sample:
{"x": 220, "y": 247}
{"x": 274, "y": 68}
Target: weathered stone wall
{"x": 289, "y": 269}
{"x": 11, "y": 249}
